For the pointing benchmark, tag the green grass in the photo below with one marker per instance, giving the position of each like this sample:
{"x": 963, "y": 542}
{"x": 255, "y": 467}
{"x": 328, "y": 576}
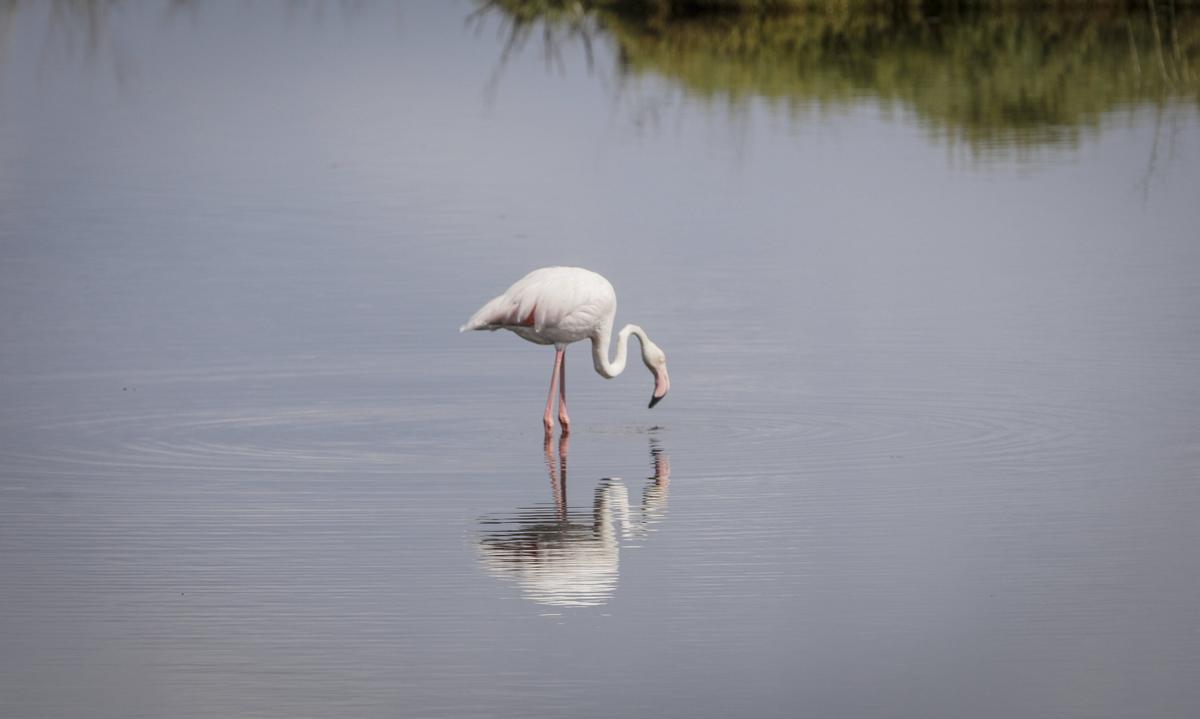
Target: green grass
{"x": 983, "y": 73}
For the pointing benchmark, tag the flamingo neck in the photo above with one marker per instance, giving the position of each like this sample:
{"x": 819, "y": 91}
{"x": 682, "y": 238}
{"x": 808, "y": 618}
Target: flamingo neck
{"x": 600, "y": 340}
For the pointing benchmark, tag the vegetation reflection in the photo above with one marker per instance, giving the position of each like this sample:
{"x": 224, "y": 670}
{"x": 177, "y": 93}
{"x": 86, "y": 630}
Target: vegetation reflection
{"x": 990, "y": 75}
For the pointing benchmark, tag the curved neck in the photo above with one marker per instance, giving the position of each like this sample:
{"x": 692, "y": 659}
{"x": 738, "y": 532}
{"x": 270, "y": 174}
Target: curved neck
{"x": 607, "y": 369}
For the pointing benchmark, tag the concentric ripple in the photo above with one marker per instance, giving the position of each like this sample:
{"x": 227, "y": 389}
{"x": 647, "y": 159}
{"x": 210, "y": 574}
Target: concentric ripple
{"x": 305, "y": 420}
{"x": 862, "y": 431}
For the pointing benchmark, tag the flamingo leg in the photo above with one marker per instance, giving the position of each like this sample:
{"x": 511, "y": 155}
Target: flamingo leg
{"x": 563, "y": 420}
{"x": 548, "y": 417}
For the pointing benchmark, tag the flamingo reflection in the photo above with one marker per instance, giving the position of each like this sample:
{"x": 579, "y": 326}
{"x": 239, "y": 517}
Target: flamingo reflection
{"x": 561, "y": 556}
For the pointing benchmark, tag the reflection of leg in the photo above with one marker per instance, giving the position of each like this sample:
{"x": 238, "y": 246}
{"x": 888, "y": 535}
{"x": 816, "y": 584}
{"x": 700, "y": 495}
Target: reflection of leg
{"x": 548, "y": 418}
{"x": 558, "y": 475}
{"x": 563, "y": 420}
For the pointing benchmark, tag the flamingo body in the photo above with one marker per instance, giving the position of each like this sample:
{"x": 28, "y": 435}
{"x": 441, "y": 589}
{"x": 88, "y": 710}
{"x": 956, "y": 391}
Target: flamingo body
{"x": 550, "y": 306}
{"x": 561, "y": 305}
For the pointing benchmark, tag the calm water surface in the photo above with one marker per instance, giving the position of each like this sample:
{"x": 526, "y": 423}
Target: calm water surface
{"x": 931, "y": 448}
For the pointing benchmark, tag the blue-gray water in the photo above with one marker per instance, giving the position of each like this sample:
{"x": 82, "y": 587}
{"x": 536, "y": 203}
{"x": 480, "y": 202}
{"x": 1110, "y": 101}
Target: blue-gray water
{"x": 931, "y": 448}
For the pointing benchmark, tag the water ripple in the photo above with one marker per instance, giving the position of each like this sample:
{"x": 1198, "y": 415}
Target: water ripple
{"x": 868, "y": 431}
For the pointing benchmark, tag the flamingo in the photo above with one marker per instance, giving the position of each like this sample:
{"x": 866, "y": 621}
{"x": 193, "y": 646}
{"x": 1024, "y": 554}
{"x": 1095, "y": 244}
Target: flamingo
{"x": 558, "y": 306}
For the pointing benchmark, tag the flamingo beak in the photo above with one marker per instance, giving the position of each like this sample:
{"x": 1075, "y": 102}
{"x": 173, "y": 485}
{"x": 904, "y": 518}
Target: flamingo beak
{"x": 662, "y": 383}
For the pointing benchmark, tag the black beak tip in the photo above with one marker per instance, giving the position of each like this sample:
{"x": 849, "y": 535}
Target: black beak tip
{"x": 655, "y": 400}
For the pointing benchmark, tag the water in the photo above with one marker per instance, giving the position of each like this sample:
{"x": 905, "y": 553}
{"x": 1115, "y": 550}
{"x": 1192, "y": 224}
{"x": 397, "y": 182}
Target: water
{"x": 930, "y": 448}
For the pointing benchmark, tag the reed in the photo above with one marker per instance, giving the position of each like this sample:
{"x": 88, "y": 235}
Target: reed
{"x": 1000, "y": 73}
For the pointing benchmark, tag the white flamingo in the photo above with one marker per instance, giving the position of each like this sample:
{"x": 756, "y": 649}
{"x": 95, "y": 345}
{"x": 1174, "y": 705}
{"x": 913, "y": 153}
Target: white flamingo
{"x": 558, "y": 306}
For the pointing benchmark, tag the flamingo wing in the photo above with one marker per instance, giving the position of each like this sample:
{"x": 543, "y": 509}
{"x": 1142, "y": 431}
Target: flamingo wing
{"x": 566, "y": 298}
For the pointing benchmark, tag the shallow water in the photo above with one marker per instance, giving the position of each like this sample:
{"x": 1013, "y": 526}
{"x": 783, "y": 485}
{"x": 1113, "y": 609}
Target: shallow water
{"x": 930, "y": 448}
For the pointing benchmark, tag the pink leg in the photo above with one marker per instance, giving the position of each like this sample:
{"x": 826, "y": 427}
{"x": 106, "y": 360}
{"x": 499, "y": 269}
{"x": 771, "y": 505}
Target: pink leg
{"x": 548, "y": 418}
{"x": 563, "y": 420}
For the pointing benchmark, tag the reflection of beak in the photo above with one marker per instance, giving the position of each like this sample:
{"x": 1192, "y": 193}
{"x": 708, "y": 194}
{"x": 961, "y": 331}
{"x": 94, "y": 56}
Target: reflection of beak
{"x": 662, "y": 383}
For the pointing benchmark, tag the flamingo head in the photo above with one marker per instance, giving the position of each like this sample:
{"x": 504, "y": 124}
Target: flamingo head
{"x": 656, "y": 362}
